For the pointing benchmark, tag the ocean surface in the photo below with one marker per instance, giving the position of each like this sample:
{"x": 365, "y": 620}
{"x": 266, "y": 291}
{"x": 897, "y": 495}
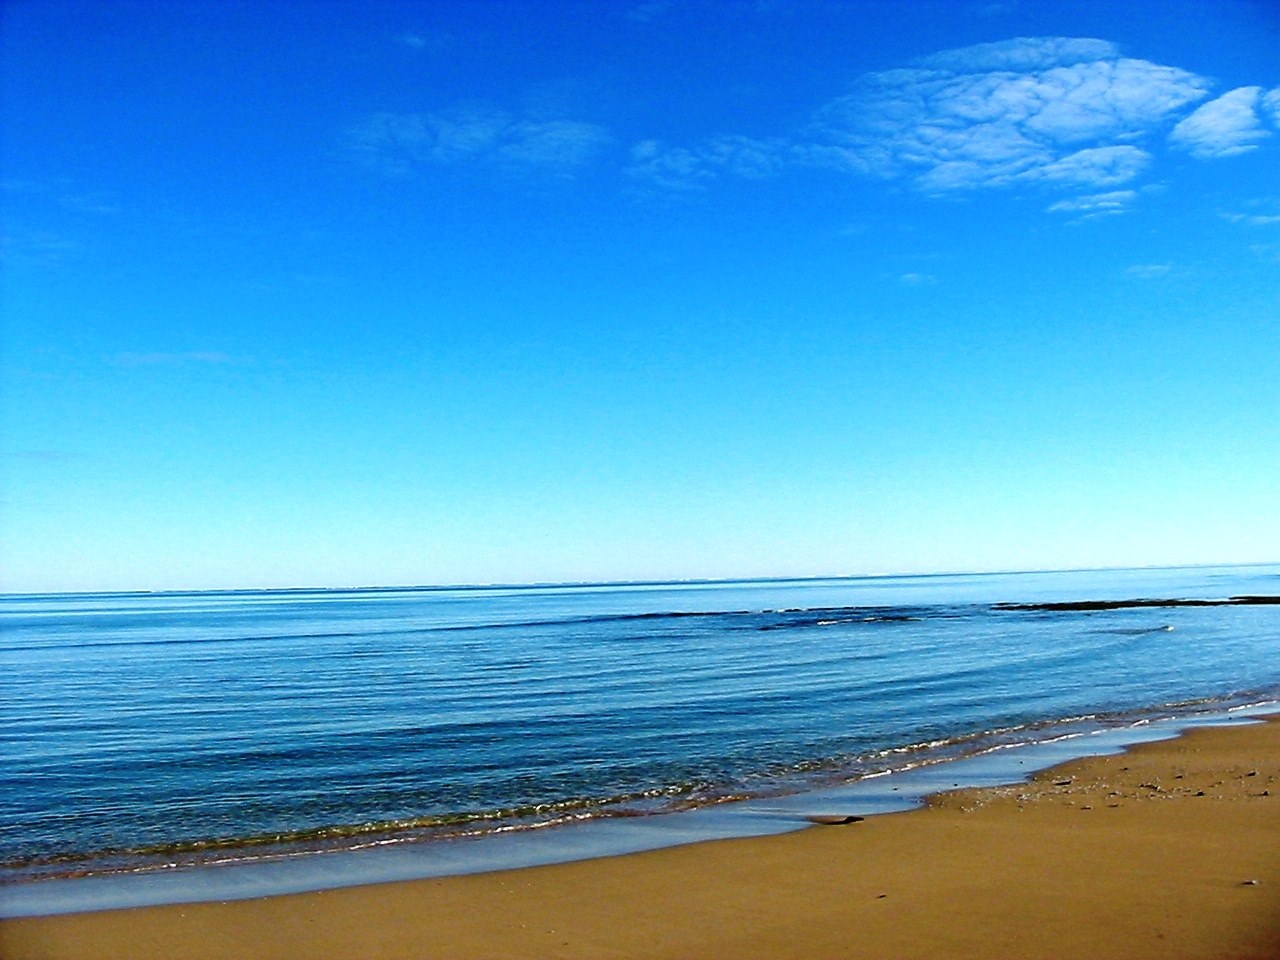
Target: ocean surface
{"x": 145, "y": 731}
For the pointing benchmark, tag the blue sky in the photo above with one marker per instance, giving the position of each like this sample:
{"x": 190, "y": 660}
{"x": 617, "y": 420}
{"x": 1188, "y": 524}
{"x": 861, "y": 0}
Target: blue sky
{"x": 392, "y": 293}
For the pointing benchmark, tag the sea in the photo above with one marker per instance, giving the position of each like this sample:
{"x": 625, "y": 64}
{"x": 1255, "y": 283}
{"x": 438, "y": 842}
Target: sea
{"x": 198, "y": 745}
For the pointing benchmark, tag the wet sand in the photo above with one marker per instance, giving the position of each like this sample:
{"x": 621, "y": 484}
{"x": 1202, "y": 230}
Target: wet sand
{"x": 1171, "y": 850}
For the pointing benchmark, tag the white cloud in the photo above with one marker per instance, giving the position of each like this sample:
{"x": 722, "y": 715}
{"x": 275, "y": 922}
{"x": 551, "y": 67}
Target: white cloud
{"x": 1053, "y": 109}
{"x": 1256, "y": 213}
{"x": 396, "y": 143}
{"x": 1148, "y": 271}
{"x": 1271, "y": 102}
{"x": 1096, "y": 204}
{"x": 1223, "y": 127}
{"x": 1253, "y": 219}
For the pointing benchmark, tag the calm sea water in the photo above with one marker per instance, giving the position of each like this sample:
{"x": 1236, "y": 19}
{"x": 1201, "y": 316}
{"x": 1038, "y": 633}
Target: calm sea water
{"x": 142, "y": 730}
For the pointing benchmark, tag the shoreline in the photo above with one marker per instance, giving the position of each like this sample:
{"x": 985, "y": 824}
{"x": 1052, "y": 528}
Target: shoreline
{"x": 894, "y": 789}
{"x": 1138, "y": 854}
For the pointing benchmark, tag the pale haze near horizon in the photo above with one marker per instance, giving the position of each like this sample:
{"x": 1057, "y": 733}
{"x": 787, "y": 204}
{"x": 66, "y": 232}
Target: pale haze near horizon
{"x": 483, "y": 292}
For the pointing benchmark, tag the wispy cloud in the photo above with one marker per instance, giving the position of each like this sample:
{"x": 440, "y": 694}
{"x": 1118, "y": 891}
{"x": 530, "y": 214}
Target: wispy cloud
{"x": 1266, "y": 252}
{"x": 51, "y": 224}
{"x": 553, "y": 143}
{"x": 396, "y": 143}
{"x": 1096, "y": 204}
{"x": 1148, "y": 271}
{"x": 918, "y": 279}
{"x": 683, "y": 169}
{"x": 1256, "y": 213}
{"x": 39, "y": 248}
{"x": 751, "y": 158}
{"x": 91, "y": 205}
{"x": 62, "y": 194}
{"x": 432, "y": 42}
{"x": 1223, "y": 127}
{"x": 1253, "y": 219}
{"x": 671, "y": 168}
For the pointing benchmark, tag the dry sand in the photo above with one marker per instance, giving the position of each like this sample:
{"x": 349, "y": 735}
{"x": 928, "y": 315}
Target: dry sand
{"x": 1171, "y": 850}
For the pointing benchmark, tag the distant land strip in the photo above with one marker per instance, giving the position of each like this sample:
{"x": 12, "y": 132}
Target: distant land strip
{"x": 1123, "y": 604}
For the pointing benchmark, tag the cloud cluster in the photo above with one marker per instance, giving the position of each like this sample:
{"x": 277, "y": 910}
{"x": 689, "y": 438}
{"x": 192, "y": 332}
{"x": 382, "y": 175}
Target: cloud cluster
{"x": 1071, "y": 114}
{"x": 396, "y": 143}
{"x": 1061, "y": 110}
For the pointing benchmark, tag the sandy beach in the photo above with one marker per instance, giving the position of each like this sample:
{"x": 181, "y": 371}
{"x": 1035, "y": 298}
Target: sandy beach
{"x": 1170, "y": 850}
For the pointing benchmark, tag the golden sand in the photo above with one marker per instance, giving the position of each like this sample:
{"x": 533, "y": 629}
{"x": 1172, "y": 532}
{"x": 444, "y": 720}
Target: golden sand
{"x": 1171, "y": 850}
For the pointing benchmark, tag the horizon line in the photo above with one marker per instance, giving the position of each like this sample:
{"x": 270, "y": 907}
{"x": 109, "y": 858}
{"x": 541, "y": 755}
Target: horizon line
{"x": 676, "y": 581}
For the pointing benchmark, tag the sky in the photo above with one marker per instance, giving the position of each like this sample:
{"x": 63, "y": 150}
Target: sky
{"x": 326, "y": 294}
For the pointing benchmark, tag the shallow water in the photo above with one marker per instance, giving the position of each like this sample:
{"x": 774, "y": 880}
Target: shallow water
{"x": 148, "y": 730}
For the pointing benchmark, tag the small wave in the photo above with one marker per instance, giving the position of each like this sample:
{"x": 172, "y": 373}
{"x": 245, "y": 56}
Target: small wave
{"x": 776, "y": 781}
{"x": 842, "y": 616}
{"x": 340, "y": 836}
